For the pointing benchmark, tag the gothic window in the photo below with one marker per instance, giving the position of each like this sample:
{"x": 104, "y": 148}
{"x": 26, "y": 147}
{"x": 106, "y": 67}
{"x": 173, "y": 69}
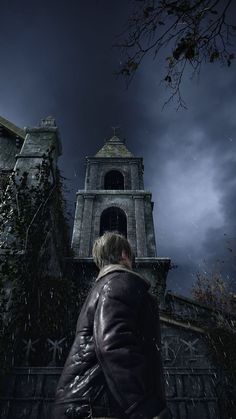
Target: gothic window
{"x": 114, "y": 180}
{"x": 113, "y": 219}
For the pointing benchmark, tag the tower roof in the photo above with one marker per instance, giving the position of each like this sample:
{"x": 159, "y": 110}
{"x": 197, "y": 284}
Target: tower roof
{"x": 114, "y": 147}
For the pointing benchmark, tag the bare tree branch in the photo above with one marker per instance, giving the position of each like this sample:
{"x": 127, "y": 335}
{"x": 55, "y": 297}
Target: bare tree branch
{"x": 194, "y": 32}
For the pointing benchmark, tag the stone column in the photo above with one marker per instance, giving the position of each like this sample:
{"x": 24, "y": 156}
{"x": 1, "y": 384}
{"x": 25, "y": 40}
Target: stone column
{"x": 140, "y": 171}
{"x": 134, "y": 176}
{"x": 94, "y": 175}
{"x": 131, "y": 226}
{"x": 140, "y": 226}
{"x": 38, "y": 141}
{"x": 87, "y": 176}
{"x": 77, "y": 224}
{"x": 37, "y": 144}
{"x": 150, "y": 231}
{"x": 86, "y": 226}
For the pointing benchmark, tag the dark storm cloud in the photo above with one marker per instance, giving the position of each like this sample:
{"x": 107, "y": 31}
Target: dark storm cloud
{"x": 57, "y": 59}
{"x": 191, "y": 172}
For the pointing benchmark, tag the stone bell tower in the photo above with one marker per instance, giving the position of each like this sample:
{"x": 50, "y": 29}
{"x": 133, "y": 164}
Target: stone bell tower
{"x": 114, "y": 199}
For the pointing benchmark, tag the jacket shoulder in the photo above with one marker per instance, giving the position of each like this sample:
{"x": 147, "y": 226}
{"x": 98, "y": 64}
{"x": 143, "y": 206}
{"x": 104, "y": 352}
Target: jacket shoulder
{"x": 126, "y": 286}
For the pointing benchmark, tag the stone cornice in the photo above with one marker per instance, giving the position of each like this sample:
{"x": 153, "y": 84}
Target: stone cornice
{"x": 138, "y": 261}
{"x": 113, "y": 159}
{"x": 40, "y": 129}
{"x": 117, "y": 192}
{"x": 182, "y": 324}
{"x": 31, "y": 156}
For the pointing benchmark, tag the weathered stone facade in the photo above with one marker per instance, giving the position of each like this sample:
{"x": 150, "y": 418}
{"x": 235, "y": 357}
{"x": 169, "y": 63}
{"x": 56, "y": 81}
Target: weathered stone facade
{"x": 194, "y": 382}
{"x": 128, "y": 196}
{"x": 11, "y": 140}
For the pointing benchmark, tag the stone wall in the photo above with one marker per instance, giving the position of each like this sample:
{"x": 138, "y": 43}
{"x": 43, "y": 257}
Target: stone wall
{"x": 137, "y": 206}
{"x": 9, "y": 146}
{"x": 131, "y": 168}
{"x": 195, "y": 386}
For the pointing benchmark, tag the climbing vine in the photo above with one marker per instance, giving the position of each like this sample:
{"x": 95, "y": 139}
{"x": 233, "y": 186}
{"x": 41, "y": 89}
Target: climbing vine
{"x": 215, "y": 292}
{"x": 221, "y": 340}
{"x": 38, "y": 302}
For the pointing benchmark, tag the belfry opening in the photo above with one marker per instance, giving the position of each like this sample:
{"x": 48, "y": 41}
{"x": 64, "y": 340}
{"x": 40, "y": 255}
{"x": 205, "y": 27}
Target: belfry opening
{"x": 114, "y": 180}
{"x": 113, "y": 219}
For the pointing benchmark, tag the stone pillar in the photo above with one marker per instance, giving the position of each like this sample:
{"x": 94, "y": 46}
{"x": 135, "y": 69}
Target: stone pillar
{"x": 150, "y": 232}
{"x": 131, "y": 227}
{"x": 140, "y": 171}
{"x": 87, "y": 175}
{"x": 37, "y": 144}
{"x": 85, "y": 237}
{"x": 140, "y": 226}
{"x": 75, "y": 243}
{"x": 92, "y": 179}
{"x": 134, "y": 176}
{"x": 38, "y": 141}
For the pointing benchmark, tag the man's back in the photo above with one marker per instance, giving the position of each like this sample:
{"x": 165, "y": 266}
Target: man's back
{"x": 114, "y": 366}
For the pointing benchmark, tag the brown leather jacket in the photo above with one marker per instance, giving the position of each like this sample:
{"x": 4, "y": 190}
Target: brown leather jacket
{"x": 114, "y": 366}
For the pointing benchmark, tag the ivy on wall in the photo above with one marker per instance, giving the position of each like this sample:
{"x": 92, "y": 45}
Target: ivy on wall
{"x": 216, "y": 293}
{"x": 222, "y": 342}
{"x": 37, "y": 301}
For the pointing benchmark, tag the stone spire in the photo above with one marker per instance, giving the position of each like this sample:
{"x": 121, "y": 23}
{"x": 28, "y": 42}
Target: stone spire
{"x": 114, "y": 147}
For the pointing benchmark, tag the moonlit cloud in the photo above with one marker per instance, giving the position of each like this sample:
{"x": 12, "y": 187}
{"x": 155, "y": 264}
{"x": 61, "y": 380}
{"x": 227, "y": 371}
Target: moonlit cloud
{"x": 57, "y": 60}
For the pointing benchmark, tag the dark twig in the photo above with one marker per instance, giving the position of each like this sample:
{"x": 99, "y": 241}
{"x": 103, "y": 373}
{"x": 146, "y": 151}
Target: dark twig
{"x": 205, "y": 35}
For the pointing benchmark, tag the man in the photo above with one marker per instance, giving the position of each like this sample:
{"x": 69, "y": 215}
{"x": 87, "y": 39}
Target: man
{"x": 114, "y": 367}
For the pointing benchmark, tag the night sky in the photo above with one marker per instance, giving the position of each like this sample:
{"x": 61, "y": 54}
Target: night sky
{"x": 57, "y": 59}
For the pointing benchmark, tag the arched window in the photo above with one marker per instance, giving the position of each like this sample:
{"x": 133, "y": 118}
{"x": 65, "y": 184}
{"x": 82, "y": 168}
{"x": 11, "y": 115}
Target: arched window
{"x": 113, "y": 219}
{"x": 114, "y": 180}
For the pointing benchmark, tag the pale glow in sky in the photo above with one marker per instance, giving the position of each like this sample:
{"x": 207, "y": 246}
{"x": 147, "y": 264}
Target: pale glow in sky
{"x": 67, "y": 71}
{"x": 187, "y": 203}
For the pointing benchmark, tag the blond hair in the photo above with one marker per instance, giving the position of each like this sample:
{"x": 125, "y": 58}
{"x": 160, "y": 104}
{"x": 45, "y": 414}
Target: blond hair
{"x": 108, "y": 248}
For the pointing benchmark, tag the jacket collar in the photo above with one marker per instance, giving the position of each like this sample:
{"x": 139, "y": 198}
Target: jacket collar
{"x": 117, "y": 267}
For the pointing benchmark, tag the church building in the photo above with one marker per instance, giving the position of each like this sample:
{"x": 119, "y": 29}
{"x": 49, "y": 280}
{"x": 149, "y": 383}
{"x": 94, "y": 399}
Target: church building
{"x": 114, "y": 199}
